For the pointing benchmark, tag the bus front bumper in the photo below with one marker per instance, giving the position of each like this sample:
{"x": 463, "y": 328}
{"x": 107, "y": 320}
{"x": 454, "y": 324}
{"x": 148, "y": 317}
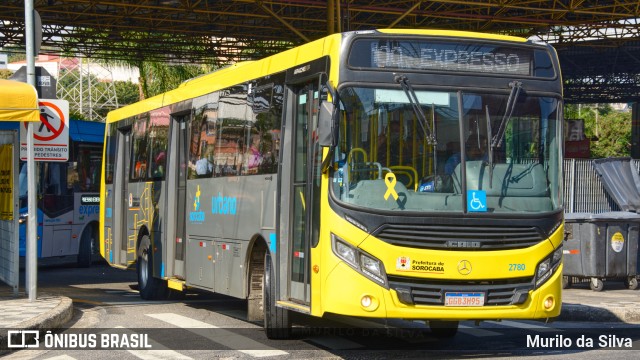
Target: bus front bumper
{"x": 348, "y": 293}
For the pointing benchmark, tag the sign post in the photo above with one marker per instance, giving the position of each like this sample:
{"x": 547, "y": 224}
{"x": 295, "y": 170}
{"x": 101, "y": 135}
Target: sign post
{"x": 51, "y": 136}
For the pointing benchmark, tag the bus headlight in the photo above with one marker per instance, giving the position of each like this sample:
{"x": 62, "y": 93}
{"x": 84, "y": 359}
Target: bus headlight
{"x": 345, "y": 252}
{"x": 548, "y": 266}
{"x": 372, "y": 267}
{"x": 362, "y": 262}
{"x": 23, "y": 218}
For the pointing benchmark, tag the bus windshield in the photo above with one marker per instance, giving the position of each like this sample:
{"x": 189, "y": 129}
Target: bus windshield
{"x": 388, "y": 159}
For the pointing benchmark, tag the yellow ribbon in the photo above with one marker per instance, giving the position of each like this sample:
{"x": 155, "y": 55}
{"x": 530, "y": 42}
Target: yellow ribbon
{"x": 390, "y": 180}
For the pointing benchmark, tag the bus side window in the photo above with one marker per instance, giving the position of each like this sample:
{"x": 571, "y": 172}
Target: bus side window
{"x": 73, "y": 178}
{"x": 140, "y": 148}
{"x": 203, "y": 138}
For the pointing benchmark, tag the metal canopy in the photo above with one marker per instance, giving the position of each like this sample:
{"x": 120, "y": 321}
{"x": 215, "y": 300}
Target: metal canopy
{"x": 219, "y": 32}
{"x": 604, "y": 72}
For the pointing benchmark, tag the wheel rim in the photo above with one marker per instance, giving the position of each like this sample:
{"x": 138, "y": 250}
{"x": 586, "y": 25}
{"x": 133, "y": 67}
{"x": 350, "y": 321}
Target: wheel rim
{"x": 144, "y": 268}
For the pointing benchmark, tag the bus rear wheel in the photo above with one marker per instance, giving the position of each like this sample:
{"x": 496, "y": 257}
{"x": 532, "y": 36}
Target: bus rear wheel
{"x": 444, "y": 329}
{"x": 150, "y": 288}
{"x": 88, "y": 246}
{"x": 276, "y": 320}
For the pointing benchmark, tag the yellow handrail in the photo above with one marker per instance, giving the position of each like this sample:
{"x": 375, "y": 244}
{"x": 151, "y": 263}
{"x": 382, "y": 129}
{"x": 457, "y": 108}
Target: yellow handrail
{"x": 407, "y": 170}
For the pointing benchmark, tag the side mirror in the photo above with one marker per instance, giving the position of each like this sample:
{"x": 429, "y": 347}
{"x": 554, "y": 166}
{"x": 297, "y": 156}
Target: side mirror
{"x": 326, "y": 131}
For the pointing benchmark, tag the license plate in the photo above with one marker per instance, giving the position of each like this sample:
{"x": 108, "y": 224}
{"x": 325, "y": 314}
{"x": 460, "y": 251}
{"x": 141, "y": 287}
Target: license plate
{"x": 464, "y": 299}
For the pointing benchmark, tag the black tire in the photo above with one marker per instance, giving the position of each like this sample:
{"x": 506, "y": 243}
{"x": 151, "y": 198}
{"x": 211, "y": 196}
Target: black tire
{"x": 444, "y": 329}
{"x": 277, "y": 324}
{"x": 631, "y": 283}
{"x": 150, "y": 288}
{"x": 87, "y": 246}
{"x": 566, "y": 282}
{"x": 596, "y": 284}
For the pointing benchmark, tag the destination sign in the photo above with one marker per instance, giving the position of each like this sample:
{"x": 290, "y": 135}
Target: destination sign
{"x": 90, "y": 199}
{"x": 463, "y": 56}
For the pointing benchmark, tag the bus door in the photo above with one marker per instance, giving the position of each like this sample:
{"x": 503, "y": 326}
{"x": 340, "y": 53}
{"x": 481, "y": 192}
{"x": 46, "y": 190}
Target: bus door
{"x": 121, "y": 198}
{"x": 176, "y": 200}
{"x": 304, "y": 189}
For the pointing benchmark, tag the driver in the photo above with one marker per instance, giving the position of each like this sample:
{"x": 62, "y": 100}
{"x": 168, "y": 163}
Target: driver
{"x": 476, "y": 149}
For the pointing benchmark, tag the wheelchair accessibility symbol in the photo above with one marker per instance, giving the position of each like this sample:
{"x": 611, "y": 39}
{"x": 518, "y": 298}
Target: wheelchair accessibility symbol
{"x": 476, "y": 201}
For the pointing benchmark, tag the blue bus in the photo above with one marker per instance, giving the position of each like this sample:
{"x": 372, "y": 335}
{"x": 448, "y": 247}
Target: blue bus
{"x": 68, "y": 198}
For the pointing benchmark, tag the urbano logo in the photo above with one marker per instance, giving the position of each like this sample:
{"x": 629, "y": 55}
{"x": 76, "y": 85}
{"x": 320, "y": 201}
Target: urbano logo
{"x": 23, "y": 339}
{"x": 223, "y": 205}
{"x": 196, "y": 216}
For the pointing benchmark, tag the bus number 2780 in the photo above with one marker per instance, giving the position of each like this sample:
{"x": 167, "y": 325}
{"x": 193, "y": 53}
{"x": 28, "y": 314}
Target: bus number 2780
{"x": 517, "y": 267}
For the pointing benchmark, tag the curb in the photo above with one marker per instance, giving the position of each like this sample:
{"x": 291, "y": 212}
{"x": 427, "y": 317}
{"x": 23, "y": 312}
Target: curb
{"x": 52, "y": 319}
{"x": 576, "y": 312}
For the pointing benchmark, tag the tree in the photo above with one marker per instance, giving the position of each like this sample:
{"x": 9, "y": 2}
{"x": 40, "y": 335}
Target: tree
{"x": 156, "y": 78}
{"x": 5, "y": 73}
{"x": 614, "y": 136}
{"x": 609, "y": 130}
{"x": 126, "y": 92}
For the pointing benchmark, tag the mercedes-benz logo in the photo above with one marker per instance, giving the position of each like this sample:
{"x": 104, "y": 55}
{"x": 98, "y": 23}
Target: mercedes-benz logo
{"x": 464, "y": 267}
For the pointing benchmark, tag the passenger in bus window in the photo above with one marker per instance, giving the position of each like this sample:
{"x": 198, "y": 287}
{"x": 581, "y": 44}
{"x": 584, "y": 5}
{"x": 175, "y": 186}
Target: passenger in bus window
{"x": 254, "y": 157}
{"x": 204, "y": 167}
{"x": 141, "y": 166}
{"x": 159, "y": 164}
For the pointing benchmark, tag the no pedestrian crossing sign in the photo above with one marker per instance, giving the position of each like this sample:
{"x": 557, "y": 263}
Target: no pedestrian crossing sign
{"x": 51, "y": 135}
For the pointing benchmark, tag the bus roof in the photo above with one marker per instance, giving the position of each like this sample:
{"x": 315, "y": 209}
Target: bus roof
{"x": 226, "y": 76}
{"x": 79, "y": 130}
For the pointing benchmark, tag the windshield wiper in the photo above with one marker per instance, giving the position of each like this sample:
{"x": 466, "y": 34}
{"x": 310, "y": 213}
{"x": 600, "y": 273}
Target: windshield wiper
{"x": 490, "y": 149}
{"x": 413, "y": 99}
{"x": 515, "y": 86}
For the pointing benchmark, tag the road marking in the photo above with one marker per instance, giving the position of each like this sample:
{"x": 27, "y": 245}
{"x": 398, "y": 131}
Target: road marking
{"x": 90, "y": 302}
{"x": 223, "y": 337}
{"x": 61, "y": 357}
{"x": 159, "y": 355}
{"x": 161, "y": 352}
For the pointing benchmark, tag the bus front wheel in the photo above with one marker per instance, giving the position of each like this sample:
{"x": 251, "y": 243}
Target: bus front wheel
{"x": 276, "y": 320}
{"x": 150, "y": 288}
{"x": 443, "y": 329}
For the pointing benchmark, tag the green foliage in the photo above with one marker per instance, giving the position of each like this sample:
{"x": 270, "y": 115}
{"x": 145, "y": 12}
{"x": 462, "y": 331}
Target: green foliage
{"x": 614, "y": 134}
{"x": 17, "y": 56}
{"x": 158, "y": 77}
{"x": 5, "y": 73}
{"x": 126, "y": 92}
{"x": 609, "y": 130}
{"x": 75, "y": 115}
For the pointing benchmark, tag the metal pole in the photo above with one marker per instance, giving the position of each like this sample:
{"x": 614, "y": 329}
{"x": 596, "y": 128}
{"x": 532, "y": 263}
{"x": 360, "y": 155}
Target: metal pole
{"x": 331, "y": 17}
{"x": 31, "y": 269}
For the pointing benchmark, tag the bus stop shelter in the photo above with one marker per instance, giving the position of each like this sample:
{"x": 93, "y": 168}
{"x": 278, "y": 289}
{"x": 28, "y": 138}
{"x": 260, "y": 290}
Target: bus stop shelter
{"x": 18, "y": 102}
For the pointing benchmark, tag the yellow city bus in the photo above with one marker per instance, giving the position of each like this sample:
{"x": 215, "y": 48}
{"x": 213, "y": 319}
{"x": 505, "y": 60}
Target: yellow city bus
{"x": 328, "y": 180}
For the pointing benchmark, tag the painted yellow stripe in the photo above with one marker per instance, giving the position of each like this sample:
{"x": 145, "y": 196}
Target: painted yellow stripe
{"x": 90, "y": 302}
{"x": 454, "y": 33}
{"x": 175, "y": 284}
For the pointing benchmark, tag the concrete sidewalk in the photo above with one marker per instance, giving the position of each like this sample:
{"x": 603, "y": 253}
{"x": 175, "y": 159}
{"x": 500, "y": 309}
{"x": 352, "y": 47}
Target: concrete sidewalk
{"x": 46, "y": 312}
{"x": 613, "y": 304}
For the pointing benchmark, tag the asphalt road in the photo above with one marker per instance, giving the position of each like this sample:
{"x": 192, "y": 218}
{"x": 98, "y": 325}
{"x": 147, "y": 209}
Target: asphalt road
{"x": 205, "y": 325}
